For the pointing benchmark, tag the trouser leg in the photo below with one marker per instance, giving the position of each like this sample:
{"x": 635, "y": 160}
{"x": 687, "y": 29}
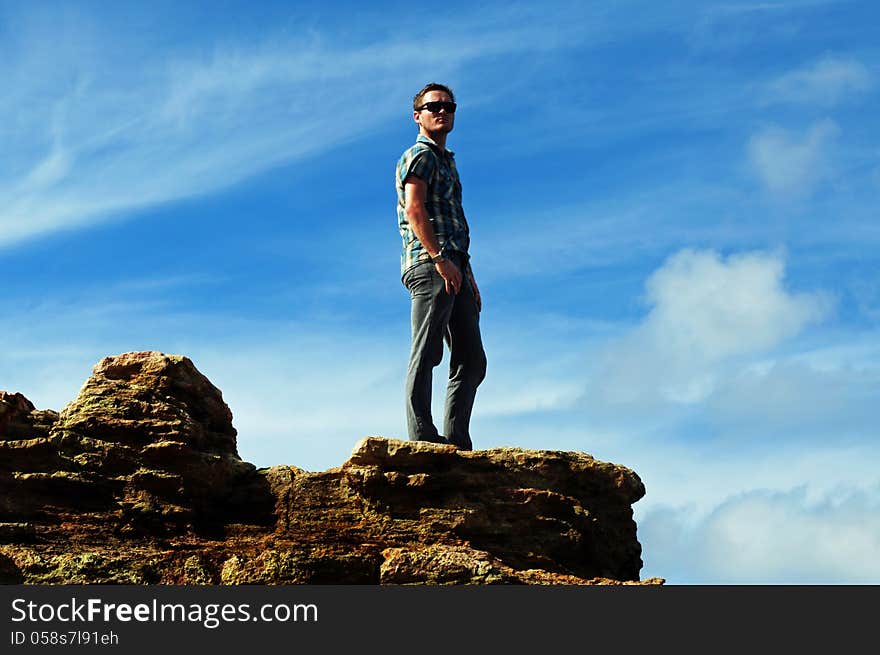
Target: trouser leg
{"x": 467, "y": 366}
{"x": 431, "y": 311}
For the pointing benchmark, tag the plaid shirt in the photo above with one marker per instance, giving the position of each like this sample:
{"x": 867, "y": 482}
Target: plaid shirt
{"x": 443, "y": 202}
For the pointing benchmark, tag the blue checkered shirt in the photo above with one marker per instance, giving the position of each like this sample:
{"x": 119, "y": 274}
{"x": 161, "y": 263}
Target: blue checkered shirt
{"x": 436, "y": 167}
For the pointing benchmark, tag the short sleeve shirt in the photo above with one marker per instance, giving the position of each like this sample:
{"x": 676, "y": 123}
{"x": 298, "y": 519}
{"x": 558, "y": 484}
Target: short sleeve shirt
{"x": 436, "y": 167}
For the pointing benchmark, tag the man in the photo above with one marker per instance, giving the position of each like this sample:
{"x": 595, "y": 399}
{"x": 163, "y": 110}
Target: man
{"x": 435, "y": 267}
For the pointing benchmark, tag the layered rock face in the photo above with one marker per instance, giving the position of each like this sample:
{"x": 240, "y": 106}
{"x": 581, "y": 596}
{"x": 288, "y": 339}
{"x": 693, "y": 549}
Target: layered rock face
{"x": 138, "y": 480}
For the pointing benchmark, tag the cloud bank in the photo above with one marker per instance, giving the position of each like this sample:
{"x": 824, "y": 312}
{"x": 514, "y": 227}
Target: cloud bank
{"x": 706, "y": 312}
{"x": 770, "y": 537}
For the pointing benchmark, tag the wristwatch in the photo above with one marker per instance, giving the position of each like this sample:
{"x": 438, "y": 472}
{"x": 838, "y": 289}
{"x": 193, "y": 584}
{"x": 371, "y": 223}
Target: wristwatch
{"x": 439, "y": 257}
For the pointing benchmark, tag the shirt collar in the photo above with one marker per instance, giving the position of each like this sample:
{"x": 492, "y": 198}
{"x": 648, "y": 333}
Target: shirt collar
{"x": 421, "y": 138}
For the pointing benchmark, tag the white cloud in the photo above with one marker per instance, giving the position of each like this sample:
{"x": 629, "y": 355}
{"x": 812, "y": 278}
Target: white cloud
{"x": 769, "y": 537}
{"x": 825, "y": 82}
{"x": 705, "y": 312}
{"x": 714, "y": 308}
{"x": 790, "y": 164}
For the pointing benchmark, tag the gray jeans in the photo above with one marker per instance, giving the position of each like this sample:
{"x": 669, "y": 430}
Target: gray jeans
{"x": 437, "y": 315}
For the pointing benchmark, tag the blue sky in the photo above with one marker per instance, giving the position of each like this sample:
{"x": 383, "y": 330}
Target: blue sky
{"x": 672, "y": 228}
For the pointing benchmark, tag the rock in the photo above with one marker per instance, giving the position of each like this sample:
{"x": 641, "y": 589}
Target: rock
{"x": 442, "y": 564}
{"x": 14, "y": 412}
{"x": 148, "y": 397}
{"x": 9, "y": 571}
{"x": 39, "y": 454}
{"x": 156, "y": 421}
{"x": 559, "y": 511}
{"x": 138, "y": 481}
{"x": 148, "y": 440}
{"x": 11, "y": 533}
{"x": 19, "y": 419}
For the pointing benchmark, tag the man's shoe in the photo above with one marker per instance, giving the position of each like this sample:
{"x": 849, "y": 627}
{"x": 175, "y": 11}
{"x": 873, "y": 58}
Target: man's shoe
{"x": 437, "y": 439}
{"x": 461, "y": 446}
{"x": 450, "y": 443}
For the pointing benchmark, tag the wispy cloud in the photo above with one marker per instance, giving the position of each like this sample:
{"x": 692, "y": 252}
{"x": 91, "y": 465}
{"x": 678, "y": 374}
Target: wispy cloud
{"x": 732, "y": 26}
{"x": 825, "y": 82}
{"x": 790, "y": 164}
{"x": 107, "y": 131}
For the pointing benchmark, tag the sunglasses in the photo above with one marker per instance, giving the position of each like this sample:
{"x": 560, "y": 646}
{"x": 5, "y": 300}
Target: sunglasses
{"x": 436, "y": 106}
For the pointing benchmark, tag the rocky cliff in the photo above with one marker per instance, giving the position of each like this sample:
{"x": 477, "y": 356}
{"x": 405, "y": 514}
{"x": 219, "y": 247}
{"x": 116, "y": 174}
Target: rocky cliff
{"x": 138, "y": 481}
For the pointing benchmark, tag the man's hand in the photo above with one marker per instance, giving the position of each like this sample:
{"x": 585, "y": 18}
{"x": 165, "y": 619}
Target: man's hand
{"x": 450, "y": 274}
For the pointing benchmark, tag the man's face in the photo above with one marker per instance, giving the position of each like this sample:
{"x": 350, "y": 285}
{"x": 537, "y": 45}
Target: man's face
{"x": 431, "y": 122}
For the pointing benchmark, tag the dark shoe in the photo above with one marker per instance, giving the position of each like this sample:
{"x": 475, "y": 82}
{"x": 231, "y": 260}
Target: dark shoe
{"x": 462, "y": 446}
{"x": 437, "y": 439}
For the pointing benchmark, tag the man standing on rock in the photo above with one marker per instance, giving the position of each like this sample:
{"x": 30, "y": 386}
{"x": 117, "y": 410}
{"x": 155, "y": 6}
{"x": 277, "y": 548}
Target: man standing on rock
{"x": 435, "y": 268}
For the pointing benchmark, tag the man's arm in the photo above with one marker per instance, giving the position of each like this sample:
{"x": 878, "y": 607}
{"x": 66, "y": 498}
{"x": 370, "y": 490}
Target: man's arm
{"x": 415, "y": 192}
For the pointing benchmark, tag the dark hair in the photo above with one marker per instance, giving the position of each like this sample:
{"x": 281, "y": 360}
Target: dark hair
{"x": 432, "y": 86}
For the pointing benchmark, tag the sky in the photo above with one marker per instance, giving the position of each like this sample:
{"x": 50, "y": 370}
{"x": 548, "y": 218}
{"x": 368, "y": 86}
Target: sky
{"x": 671, "y": 226}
